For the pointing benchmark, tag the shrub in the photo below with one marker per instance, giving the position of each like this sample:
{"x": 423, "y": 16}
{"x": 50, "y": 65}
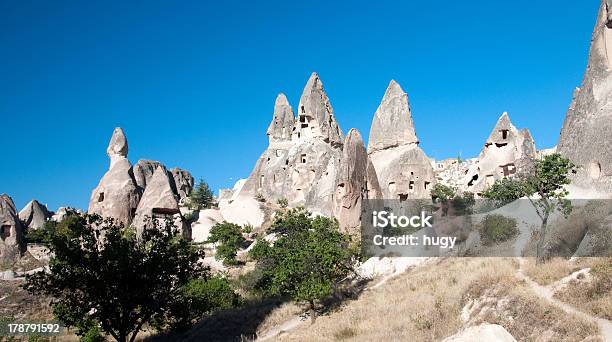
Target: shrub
{"x": 229, "y": 239}
{"x": 260, "y": 197}
{"x": 282, "y": 202}
{"x": 498, "y": 228}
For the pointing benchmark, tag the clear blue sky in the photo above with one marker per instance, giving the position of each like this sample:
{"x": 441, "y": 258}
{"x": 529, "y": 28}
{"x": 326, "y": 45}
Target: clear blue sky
{"x": 193, "y": 83}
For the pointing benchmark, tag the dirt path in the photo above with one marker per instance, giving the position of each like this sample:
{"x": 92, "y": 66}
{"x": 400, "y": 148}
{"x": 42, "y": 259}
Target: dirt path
{"x": 605, "y": 326}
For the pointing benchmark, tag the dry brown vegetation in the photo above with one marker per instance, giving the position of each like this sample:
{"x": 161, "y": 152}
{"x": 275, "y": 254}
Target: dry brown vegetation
{"x": 426, "y": 303}
{"x": 551, "y": 271}
{"x": 595, "y": 295}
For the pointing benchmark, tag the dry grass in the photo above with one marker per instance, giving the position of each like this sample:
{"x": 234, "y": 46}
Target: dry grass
{"x": 594, "y": 296}
{"x": 426, "y": 305}
{"x": 553, "y": 270}
{"x": 509, "y": 303}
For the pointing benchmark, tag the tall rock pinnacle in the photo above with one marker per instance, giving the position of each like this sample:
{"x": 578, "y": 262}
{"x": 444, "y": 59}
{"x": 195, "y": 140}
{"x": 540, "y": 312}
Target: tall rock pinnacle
{"x": 282, "y": 122}
{"x": 589, "y": 119}
{"x": 117, "y": 146}
{"x": 316, "y": 115}
{"x": 356, "y": 181}
{"x": 392, "y": 125}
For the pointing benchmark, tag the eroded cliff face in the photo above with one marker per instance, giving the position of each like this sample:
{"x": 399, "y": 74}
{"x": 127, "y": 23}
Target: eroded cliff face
{"x": 356, "y": 181}
{"x": 403, "y": 169}
{"x": 588, "y": 123}
{"x": 303, "y": 156}
{"x": 12, "y": 244}
{"x": 506, "y": 152}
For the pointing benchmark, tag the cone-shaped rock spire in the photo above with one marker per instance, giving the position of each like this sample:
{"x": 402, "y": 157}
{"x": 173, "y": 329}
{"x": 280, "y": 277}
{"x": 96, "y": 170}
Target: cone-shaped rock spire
{"x": 12, "y": 243}
{"x": 34, "y": 214}
{"x": 356, "y": 181}
{"x": 392, "y": 125}
{"x": 316, "y": 115}
{"x": 282, "y": 122}
{"x": 588, "y": 123}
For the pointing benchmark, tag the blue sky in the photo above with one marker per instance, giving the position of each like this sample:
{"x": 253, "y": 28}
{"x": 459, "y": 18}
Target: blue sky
{"x": 193, "y": 83}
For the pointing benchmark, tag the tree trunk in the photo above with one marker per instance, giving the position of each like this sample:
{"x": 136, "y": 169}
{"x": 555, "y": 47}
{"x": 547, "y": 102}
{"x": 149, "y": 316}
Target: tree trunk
{"x": 313, "y": 312}
{"x": 541, "y": 240}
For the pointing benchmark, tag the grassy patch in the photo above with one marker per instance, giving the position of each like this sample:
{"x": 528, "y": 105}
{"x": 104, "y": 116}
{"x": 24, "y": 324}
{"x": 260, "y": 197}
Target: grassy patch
{"x": 594, "y": 296}
{"x": 551, "y": 271}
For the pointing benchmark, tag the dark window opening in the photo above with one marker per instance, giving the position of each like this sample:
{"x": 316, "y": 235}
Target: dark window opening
{"x": 471, "y": 182}
{"x": 101, "y": 197}
{"x": 303, "y": 110}
{"x": 426, "y": 185}
{"x": 508, "y": 170}
{"x": 403, "y": 197}
{"x": 411, "y": 185}
{"x": 5, "y": 231}
{"x": 501, "y": 144}
{"x": 303, "y": 159}
{"x": 165, "y": 211}
{"x": 261, "y": 181}
{"x": 304, "y": 125}
{"x": 504, "y": 133}
{"x": 286, "y": 161}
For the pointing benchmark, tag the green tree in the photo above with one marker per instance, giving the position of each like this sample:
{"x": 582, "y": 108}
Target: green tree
{"x": 199, "y": 297}
{"x": 307, "y": 260}
{"x": 229, "y": 238}
{"x": 544, "y": 186}
{"x": 102, "y": 275}
{"x": 201, "y": 197}
{"x": 505, "y": 190}
{"x": 441, "y": 192}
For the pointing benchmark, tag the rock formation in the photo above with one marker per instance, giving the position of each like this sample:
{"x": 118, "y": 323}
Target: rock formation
{"x": 403, "y": 170}
{"x": 302, "y": 166}
{"x": 316, "y": 116}
{"x": 34, "y": 215}
{"x": 588, "y": 122}
{"x": 356, "y": 181}
{"x": 64, "y": 212}
{"x": 117, "y": 194}
{"x": 181, "y": 181}
{"x": 12, "y": 244}
{"x": 506, "y": 152}
{"x": 158, "y": 200}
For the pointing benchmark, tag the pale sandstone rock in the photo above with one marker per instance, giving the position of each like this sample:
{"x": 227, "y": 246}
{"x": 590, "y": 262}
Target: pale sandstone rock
{"x": 158, "y": 201}
{"x": 354, "y": 184}
{"x": 507, "y": 152}
{"x": 207, "y": 218}
{"x": 12, "y": 244}
{"x": 144, "y": 170}
{"x": 403, "y": 169}
{"x": 301, "y": 169}
{"x": 482, "y": 332}
{"x": 117, "y": 195}
{"x": 34, "y": 215}
{"x": 588, "y": 123}
{"x": 120, "y": 189}
{"x": 316, "y": 116}
{"x": 64, "y": 212}
{"x": 392, "y": 125}
{"x": 282, "y": 123}
{"x": 182, "y": 182}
